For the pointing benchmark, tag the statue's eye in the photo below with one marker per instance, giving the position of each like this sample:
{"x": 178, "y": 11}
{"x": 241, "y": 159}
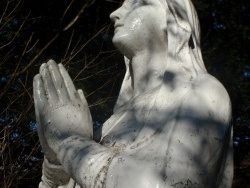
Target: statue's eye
{"x": 140, "y": 2}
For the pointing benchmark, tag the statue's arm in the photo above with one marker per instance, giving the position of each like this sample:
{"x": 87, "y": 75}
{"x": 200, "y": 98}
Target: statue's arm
{"x": 54, "y": 95}
{"x": 196, "y": 149}
{"x": 64, "y": 123}
{"x": 199, "y": 150}
{"x": 200, "y": 147}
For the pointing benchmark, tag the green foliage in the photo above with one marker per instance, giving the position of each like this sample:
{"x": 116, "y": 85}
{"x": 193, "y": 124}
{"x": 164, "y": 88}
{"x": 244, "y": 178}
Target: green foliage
{"x": 78, "y": 34}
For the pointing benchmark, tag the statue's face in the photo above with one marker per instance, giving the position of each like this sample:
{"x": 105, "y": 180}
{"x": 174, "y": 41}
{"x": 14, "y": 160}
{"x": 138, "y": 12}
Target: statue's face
{"x": 139, "y": 24}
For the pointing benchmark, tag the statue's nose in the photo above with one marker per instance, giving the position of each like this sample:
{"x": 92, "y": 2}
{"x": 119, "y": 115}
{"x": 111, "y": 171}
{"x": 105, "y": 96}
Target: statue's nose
{"x": 116, "y": 15}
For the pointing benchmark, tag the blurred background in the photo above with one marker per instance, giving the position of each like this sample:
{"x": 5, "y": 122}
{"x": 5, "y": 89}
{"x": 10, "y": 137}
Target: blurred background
{"x": 78, "y": 33}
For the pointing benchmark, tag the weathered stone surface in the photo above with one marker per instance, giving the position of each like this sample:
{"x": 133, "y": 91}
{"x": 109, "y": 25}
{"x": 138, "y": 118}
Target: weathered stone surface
{"x": 171, "y": 123}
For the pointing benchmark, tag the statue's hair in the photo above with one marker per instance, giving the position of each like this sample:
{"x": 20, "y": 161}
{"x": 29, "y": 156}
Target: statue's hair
{"x": 184, "y": 32}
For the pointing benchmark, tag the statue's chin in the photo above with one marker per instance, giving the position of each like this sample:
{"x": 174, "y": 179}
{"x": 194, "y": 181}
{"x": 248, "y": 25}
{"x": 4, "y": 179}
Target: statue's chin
{"x": 119, "y": 41}
{"x": 123, "y": 46}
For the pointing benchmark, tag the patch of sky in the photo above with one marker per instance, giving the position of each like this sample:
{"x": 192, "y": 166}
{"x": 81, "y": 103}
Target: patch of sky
{"x": 32, "y": 126}
{"x": 5, "y": 79}
{"x": 15, "y": 22}
{"x": 247, "y": 138}
{"x": 15, "y": 135}
{"x": 96, "y": 124}
{"x": 216, "y": 25}
{"x": 236, "y": 141}
{"x": 246, "y": 72}
{"x": 7, "y": 120}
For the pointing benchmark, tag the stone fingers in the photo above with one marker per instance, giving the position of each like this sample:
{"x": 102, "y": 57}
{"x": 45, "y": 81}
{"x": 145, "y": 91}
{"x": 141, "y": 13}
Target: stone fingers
{"x": 41, "y": 103}
{"x": 82, "y": 97}
{"x": 49, "y": 87}
{"x": 58, "y": 82}
{"x": 39, "y": 106}
{"x": 88, "y": 120}
{"x": 68, "y": 82}
{"x": 40, "y": 96}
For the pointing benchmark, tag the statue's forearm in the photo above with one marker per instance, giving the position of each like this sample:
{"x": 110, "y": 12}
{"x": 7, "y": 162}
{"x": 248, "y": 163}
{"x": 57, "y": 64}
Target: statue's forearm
{"x": 86, "y": 161}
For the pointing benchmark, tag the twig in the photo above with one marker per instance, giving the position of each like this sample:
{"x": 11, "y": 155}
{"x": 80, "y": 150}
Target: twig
{"x": 19, "y": 29}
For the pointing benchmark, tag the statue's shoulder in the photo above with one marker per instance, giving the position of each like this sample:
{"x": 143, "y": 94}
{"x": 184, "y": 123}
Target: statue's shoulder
{"x": 210, "y": 88}
{"x": 208, "y": 97}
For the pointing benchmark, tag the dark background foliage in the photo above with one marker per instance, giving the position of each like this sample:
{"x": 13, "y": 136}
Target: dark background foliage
{"x": 78, "y": 34}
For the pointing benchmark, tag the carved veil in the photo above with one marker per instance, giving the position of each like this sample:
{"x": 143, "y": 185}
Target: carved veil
{"x": 183, "y": 32}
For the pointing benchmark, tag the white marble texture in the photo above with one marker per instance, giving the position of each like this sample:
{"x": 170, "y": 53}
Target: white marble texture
{"x": 171, "y": 122}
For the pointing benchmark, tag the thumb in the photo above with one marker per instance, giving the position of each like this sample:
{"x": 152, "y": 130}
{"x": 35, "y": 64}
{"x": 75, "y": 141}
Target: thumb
{"x": 89, "y": 121}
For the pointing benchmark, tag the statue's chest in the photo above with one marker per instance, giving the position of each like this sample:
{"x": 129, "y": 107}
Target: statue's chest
{"x": 144, "y": 122}
{"x": 140, "y": 125}
{"x": 122, "y": 129}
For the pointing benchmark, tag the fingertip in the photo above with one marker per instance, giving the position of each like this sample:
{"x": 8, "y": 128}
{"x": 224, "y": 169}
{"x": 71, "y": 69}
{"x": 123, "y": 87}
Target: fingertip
{"x": 61, "y": 67}
{"x": 38, "y": 81}
{"x": 81, "y": 95}
{"x": 36, "y": 85}
{"x": 51, "y": 61}
{"x": 80, "y": 91}
{"x": 42, "y": 67}
{"x": 36, "y": 78}
{"x": 52, "y": 66}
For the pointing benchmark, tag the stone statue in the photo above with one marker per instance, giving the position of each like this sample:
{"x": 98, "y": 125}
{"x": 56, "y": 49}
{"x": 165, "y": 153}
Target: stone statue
{"x": 171, "y": 122}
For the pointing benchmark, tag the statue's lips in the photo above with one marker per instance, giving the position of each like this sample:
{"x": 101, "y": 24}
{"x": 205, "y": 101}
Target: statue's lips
{"x": 117, "y": 26}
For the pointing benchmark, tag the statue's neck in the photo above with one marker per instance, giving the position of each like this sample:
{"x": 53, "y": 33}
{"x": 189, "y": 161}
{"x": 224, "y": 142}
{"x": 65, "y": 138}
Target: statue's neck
{"x": 147, "y": 71}
{"x": 150, "y": 70}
